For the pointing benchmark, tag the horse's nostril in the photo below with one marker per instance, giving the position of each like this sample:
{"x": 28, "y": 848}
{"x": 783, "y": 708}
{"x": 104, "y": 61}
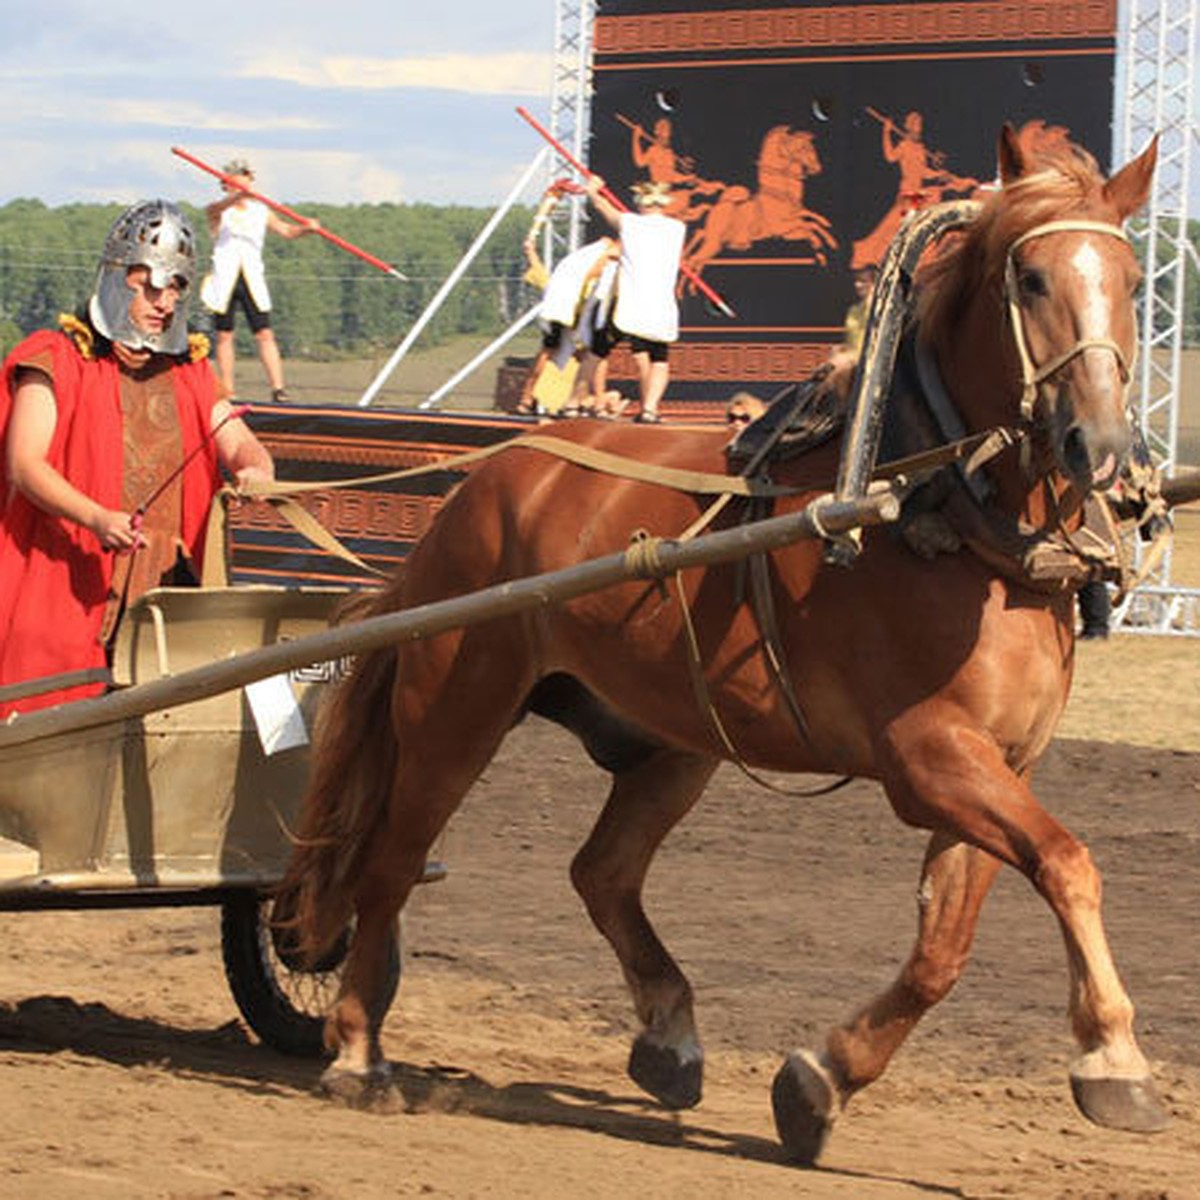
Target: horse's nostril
{"x": 1076, "y": 457}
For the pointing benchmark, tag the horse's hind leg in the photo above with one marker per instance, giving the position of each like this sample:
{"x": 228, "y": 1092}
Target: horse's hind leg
{"x": 645, "y": 804}
{"x": 810, "y": 1090}
{"x": 448, "y": 728}
{"x": 360, "y": 1073}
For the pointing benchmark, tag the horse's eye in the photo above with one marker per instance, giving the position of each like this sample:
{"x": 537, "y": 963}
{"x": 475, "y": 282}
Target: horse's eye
{"x": 1031, "y": 283}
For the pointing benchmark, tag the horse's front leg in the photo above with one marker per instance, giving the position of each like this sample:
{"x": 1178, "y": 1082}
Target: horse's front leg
{"x": 810, "y": 1090}
{"x": 947, "y": 775}
{"x": 609, "y": 871}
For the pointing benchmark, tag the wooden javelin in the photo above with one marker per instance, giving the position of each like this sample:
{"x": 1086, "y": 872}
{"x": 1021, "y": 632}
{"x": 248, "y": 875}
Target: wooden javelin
{"x": 290, "y": 213}
{"x": 614, "y": 200}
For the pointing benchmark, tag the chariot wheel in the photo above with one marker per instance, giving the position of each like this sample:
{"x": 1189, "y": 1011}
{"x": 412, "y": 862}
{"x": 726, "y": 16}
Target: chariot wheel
{"x": 280, "y": 997}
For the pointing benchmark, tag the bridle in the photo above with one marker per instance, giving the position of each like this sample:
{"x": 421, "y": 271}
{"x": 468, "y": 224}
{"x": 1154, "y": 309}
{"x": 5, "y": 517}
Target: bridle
{"x": 1033, "y": 376}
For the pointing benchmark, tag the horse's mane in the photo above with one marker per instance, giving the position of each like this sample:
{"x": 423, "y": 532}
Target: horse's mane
{"x": 1061, "y": 180}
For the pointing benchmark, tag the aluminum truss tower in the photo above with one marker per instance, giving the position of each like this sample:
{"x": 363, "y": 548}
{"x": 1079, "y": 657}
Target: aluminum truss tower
{"x": 1156, "y": 66}
{"x": 570, "y": 112}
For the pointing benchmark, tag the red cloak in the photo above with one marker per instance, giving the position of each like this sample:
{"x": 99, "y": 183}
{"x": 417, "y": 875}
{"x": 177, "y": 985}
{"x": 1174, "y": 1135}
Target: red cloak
{"x": 54, "y": 574}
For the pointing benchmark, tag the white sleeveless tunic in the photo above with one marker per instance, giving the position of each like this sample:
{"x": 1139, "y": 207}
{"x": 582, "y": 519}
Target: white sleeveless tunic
{"x": 650, "y": 250}
{"x": 238, "y": 248}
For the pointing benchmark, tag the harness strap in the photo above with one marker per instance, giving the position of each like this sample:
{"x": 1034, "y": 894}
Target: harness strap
{"x": 700, "y": 482}
{"x": 705, "y": 700}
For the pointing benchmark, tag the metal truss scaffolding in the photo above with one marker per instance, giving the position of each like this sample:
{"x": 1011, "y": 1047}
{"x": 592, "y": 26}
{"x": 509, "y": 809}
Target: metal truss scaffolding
{"x": 570, "y": 111}
{"x": 1156, "y": 67}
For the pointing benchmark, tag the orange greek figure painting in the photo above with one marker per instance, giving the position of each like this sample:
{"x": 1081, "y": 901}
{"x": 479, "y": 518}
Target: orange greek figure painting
{"x": 655, "y": 154}
{"x": 740, "y": 217}
{"x": 924, "y": 180}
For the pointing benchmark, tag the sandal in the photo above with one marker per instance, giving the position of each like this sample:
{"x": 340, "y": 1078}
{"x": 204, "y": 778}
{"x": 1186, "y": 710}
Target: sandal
{"x": 647, "y": 418}
{"x": 526, "y": 410}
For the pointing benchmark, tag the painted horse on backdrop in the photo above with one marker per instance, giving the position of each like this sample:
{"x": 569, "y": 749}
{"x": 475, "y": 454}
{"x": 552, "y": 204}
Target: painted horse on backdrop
{"x": 740, "y": 217}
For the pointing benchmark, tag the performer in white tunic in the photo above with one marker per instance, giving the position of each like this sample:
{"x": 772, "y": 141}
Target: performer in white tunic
{"x": 238, "y": 224}
{"x": 576, "y": 299}
{"x": 646, "y": 311}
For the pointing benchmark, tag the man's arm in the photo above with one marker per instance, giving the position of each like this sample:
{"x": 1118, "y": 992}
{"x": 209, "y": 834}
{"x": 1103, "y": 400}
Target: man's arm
{"x": 240, "y": 452}
{"x": 603, "y": 205}
{"x": 30, "y": 432}
{"x": 214, "y": 210}
{"x": 290, "y": 230}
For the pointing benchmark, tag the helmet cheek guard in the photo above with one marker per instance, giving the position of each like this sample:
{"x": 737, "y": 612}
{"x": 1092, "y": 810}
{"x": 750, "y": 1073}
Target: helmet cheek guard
{"x": 156, "y": 235}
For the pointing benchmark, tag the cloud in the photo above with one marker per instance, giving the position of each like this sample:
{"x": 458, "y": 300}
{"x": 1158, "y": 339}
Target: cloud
{"x": 513, "y": 74}
{"x": 198, "y": 116}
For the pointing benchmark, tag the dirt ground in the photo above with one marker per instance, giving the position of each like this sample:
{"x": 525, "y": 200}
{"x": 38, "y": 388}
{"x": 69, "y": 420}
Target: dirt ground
{"x": 124, "y": 1071}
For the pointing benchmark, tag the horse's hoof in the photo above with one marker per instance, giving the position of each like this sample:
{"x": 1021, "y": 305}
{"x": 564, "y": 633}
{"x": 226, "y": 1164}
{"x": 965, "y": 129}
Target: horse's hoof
{"x": 673, "y": 1081}
{"x": 370, "y": 1090}
{"x": 1130, "y": 1104}
{"x": 805, "y": 1103}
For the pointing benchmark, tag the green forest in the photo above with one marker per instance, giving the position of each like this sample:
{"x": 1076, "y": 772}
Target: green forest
{"x": 329, "y": 303}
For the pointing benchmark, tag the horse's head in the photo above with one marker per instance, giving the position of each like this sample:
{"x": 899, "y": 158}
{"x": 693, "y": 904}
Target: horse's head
{"x": 1069, "y": 277}
{"x": 804, "y": 150}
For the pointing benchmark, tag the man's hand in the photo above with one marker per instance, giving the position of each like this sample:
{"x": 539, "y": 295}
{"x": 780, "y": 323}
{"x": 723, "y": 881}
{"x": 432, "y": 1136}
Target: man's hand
{"x": 117, "y": 531}
{"x": 251, "y": 474}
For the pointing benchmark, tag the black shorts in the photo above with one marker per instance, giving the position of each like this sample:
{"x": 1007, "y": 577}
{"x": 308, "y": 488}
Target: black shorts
{"x": 610, "y": 336}
{"x": 552, "y": 337}
{"x": 656, "y": 350}
{"x": 257, "y": 319}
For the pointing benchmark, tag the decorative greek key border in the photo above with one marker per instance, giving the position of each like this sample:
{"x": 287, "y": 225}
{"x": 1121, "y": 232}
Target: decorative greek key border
{"x": 834, "y": 26}
{"x": 732, "y": 362}
{"x": 384, "y": 516}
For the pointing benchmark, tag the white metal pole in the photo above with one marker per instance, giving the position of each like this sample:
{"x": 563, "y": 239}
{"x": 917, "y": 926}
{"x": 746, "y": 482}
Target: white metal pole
{"x": 481, "y": 357}
{"x": 454, "y": 276}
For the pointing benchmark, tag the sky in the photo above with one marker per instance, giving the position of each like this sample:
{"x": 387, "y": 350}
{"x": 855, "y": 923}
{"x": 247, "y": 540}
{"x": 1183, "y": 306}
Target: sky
{"x": 357, "y": 101}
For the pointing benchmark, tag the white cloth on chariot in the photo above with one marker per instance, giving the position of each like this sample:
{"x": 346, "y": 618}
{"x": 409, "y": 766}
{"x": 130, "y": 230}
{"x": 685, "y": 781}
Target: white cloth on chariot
{"x": 651, "y": 247}
{"x": 237, "y": 249}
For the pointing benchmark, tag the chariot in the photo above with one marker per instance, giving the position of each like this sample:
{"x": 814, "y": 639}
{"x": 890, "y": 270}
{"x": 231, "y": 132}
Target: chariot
{"x": 132, "y": 800}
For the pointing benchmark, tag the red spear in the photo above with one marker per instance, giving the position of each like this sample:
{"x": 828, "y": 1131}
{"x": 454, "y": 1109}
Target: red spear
{"x": 613, "y": 199}
{"x": 289, "y": 213}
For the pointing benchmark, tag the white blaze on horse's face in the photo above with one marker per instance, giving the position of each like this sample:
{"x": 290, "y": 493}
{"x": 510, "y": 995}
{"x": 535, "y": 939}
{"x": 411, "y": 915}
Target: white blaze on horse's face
{"x": 1075, "y": 288}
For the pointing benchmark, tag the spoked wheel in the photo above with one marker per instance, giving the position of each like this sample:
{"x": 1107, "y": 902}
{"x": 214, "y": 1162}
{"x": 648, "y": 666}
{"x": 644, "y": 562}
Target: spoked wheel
{"x": 281, "y": 998}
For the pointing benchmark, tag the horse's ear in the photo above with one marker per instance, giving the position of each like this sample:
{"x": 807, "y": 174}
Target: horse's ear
{"x": 1129, "y": 188}
{"x": 1009, "y": 154}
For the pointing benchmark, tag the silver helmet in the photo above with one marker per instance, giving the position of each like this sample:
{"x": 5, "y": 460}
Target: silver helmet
{"x": 154, "y": 234}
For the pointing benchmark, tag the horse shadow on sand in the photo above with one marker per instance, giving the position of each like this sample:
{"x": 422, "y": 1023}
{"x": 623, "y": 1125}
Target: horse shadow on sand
{"x": 227, "y": 1057}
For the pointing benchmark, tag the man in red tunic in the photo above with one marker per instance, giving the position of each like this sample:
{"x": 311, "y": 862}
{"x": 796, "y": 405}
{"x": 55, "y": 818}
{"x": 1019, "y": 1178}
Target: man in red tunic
{"x": 96, "y": 420}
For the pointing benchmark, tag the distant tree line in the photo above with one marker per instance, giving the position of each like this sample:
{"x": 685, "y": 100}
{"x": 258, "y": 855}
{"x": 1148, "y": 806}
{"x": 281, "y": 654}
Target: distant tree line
{"x": 328, "y": 303}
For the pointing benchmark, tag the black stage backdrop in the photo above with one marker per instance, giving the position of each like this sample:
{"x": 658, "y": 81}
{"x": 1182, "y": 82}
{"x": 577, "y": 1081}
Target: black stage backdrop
{"x": 796, "y": 136}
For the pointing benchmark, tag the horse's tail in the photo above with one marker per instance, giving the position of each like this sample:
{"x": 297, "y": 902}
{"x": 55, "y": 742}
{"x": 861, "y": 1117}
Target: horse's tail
{"x": 353, "y": 766}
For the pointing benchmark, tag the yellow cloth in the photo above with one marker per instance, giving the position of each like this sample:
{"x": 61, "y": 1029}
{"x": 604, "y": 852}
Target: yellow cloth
{"x": 537, "y": 276}
{"x": 855, "y": 327}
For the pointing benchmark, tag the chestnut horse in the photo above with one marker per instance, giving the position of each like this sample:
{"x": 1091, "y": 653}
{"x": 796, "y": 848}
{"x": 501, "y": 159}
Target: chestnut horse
{"x": 942, "y": 678}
